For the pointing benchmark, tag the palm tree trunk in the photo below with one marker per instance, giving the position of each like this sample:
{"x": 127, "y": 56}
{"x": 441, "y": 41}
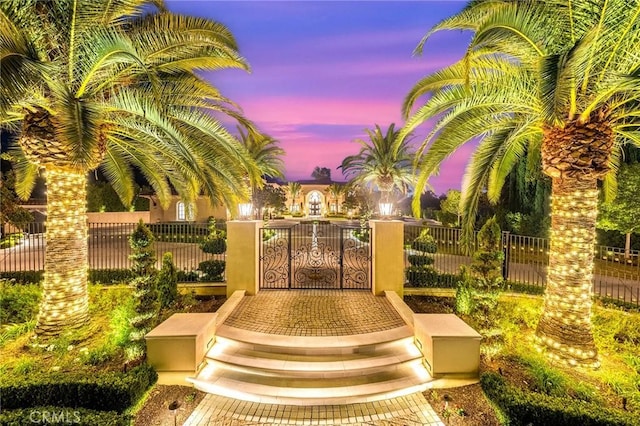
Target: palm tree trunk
{"x": 565, "y": 326}
{"x": 65, "y": 301}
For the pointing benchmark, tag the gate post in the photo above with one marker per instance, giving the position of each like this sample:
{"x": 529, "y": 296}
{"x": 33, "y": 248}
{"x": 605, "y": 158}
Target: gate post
{"x": 387, "y": 256}
{"x": 243, "y": 257}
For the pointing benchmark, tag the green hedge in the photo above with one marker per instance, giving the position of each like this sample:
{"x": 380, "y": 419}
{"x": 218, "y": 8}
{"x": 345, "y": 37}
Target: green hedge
{"x": 531, "y": 408}
{"x": 109, "y": 391}
{"x": 420, "y": 259}
{"x": 24, "y": 277}
{"x": 426, "y": 276}
{"x": 213, "y": 269}
{"x": 111, "y": 276}
{"x": 61, "y": 415}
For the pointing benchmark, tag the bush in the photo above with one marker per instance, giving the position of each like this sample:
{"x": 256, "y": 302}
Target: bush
{"x": 424, "y": 242}
{"x": 214, "y": 245}
{"x": 144, "y": 260}
{"x": 23, "y": 277}
{"x": 167, "y": 282}
{"x": 420, "y": 260}
{"x": 422, "y": 276}
{"x": 524, "y": 408}
{"x": 19, "y": 303}
{"x": 213, "y": 269}
{"x": 215, "y": 242}
{"x": 61, "y": 415}
{"x": 464, "y": 298}
{"x": 188, "y": 276}
{"x": 106, "y": 391}
{"x": 110, "y": 276}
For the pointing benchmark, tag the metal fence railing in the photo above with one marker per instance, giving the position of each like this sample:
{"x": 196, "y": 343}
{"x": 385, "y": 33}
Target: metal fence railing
{"x": 616, "y": 273}
{"x": 109, "y": 249}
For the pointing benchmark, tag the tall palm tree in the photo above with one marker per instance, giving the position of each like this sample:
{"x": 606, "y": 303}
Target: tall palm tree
{"x": 88, "y": 84}
{"x": 266, "y": 153}
{"x": 294, "y": 190}
{"x": 335, "y": 190}
{"x": 557, "y": 80}
{"x": 384, "y": 162}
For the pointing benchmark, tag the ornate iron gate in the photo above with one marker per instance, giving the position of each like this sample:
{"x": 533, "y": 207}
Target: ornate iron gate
{"x": 315, "y": 255}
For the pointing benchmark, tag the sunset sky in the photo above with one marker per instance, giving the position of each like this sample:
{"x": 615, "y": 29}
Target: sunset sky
{"x": 323, "y": 71}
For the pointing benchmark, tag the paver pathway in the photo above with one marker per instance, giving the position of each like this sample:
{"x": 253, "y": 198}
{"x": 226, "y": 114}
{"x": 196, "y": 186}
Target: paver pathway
{"x": 314, "y": 313}
{"x": 410, "y": 410}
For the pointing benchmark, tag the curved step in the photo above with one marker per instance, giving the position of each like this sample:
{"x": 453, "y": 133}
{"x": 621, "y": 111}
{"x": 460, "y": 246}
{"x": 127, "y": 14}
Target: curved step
{"x": 312, "y": 391}
{"x": 270, "y": 363}
{"x": 311, "y": 345}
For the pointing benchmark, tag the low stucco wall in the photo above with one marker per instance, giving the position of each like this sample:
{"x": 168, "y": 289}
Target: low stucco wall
{"x": 118, "y": 217}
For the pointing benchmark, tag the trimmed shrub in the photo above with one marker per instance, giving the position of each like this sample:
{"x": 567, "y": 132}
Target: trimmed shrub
{"x": 213, "y": 269}
{"x": 61, "y": 415}
{"x": 425, "y": 242}
{"x": 421, "y": 276}
{"x": 19, "y": 303}
{"x": 531, "y": 408}
{"x": 420, "y": 259}
{"x": 215, "y": 242}
{"x": 105, "y": 392}
{"x": 167, "y": 282}
{"x": 144, "y": 259}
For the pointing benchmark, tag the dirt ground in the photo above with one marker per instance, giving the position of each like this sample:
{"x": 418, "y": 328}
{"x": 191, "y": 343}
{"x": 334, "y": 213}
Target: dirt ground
{"x": 156, "y": 410}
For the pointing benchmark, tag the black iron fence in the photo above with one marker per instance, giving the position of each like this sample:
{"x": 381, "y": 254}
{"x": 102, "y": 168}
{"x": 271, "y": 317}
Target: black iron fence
{"x": 616, "y": 274}
{"x": 109, "y": 248}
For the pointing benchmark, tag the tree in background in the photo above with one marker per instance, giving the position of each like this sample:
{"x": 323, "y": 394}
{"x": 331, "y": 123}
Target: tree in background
{"x": 622, "y": 214}
{"x": 10, "y": 210}
{"x": 294, "y": 190}
{"x": 335, "y": 191}
{"x": 269, "y": 196}
{"x": 266, "y": 154}
{"x": 143, "y": 259}
{"x": 112, "y": 85}
{"x": 321, "y": 173}
{"x": 101, "y": 197}
{"x": 449, "y": 213}
{"x": 384, "y": 162}
{"x": 555, "y": 78}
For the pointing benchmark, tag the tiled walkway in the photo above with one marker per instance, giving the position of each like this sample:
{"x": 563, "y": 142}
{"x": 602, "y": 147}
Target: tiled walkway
{"x": 314, "y": 313}
{"x": 410, "y": 410}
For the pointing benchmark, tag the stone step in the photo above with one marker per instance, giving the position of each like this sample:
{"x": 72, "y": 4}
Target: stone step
{"x": 391, "y": 356}
{"x": 403, "y": 380}
{"x": 313, "y": 345}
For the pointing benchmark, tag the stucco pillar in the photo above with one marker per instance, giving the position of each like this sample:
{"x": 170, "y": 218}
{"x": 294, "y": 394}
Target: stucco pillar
{"x": 243, "y": 263}
{"x": 387, "y": 256}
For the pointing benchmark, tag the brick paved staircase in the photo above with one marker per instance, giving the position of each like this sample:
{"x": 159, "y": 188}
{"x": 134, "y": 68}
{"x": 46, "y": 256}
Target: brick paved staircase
{"x": 324, "y": 370}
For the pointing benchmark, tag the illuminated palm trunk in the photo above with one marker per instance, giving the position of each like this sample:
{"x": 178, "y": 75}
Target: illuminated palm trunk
{"x": 575, "y": 156}
{"x": 565, "y": 326}
{"x": 65, "y": 299}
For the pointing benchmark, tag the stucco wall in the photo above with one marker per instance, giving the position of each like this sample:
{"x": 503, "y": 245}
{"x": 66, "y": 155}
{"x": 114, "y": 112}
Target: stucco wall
{"x": 118, "y": 217}
{"x": 203, "y": 211}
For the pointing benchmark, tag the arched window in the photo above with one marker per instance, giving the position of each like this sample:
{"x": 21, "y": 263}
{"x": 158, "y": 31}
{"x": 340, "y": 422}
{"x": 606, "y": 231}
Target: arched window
{"x": 181, "y": 213}
{"x": 184, "y": 212}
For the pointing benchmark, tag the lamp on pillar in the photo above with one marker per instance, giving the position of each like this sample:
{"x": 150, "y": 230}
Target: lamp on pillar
{"x": 244, "y": 211}
{"x": 385, "y": 209}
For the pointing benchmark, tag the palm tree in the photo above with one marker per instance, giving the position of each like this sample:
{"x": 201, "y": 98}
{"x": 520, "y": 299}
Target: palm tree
{"x": 557, "y": 81}
{"x": 266, "y": 153}
{"x": 335, "y": 190}
{"x": 88, "y": 84}
{"x": 384, "y": 161}
{"x": 294, "y": 190}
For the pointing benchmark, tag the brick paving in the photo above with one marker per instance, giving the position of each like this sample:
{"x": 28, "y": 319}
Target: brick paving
{"x": 410, "y": 410}
{"x": 315, "y": 313}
